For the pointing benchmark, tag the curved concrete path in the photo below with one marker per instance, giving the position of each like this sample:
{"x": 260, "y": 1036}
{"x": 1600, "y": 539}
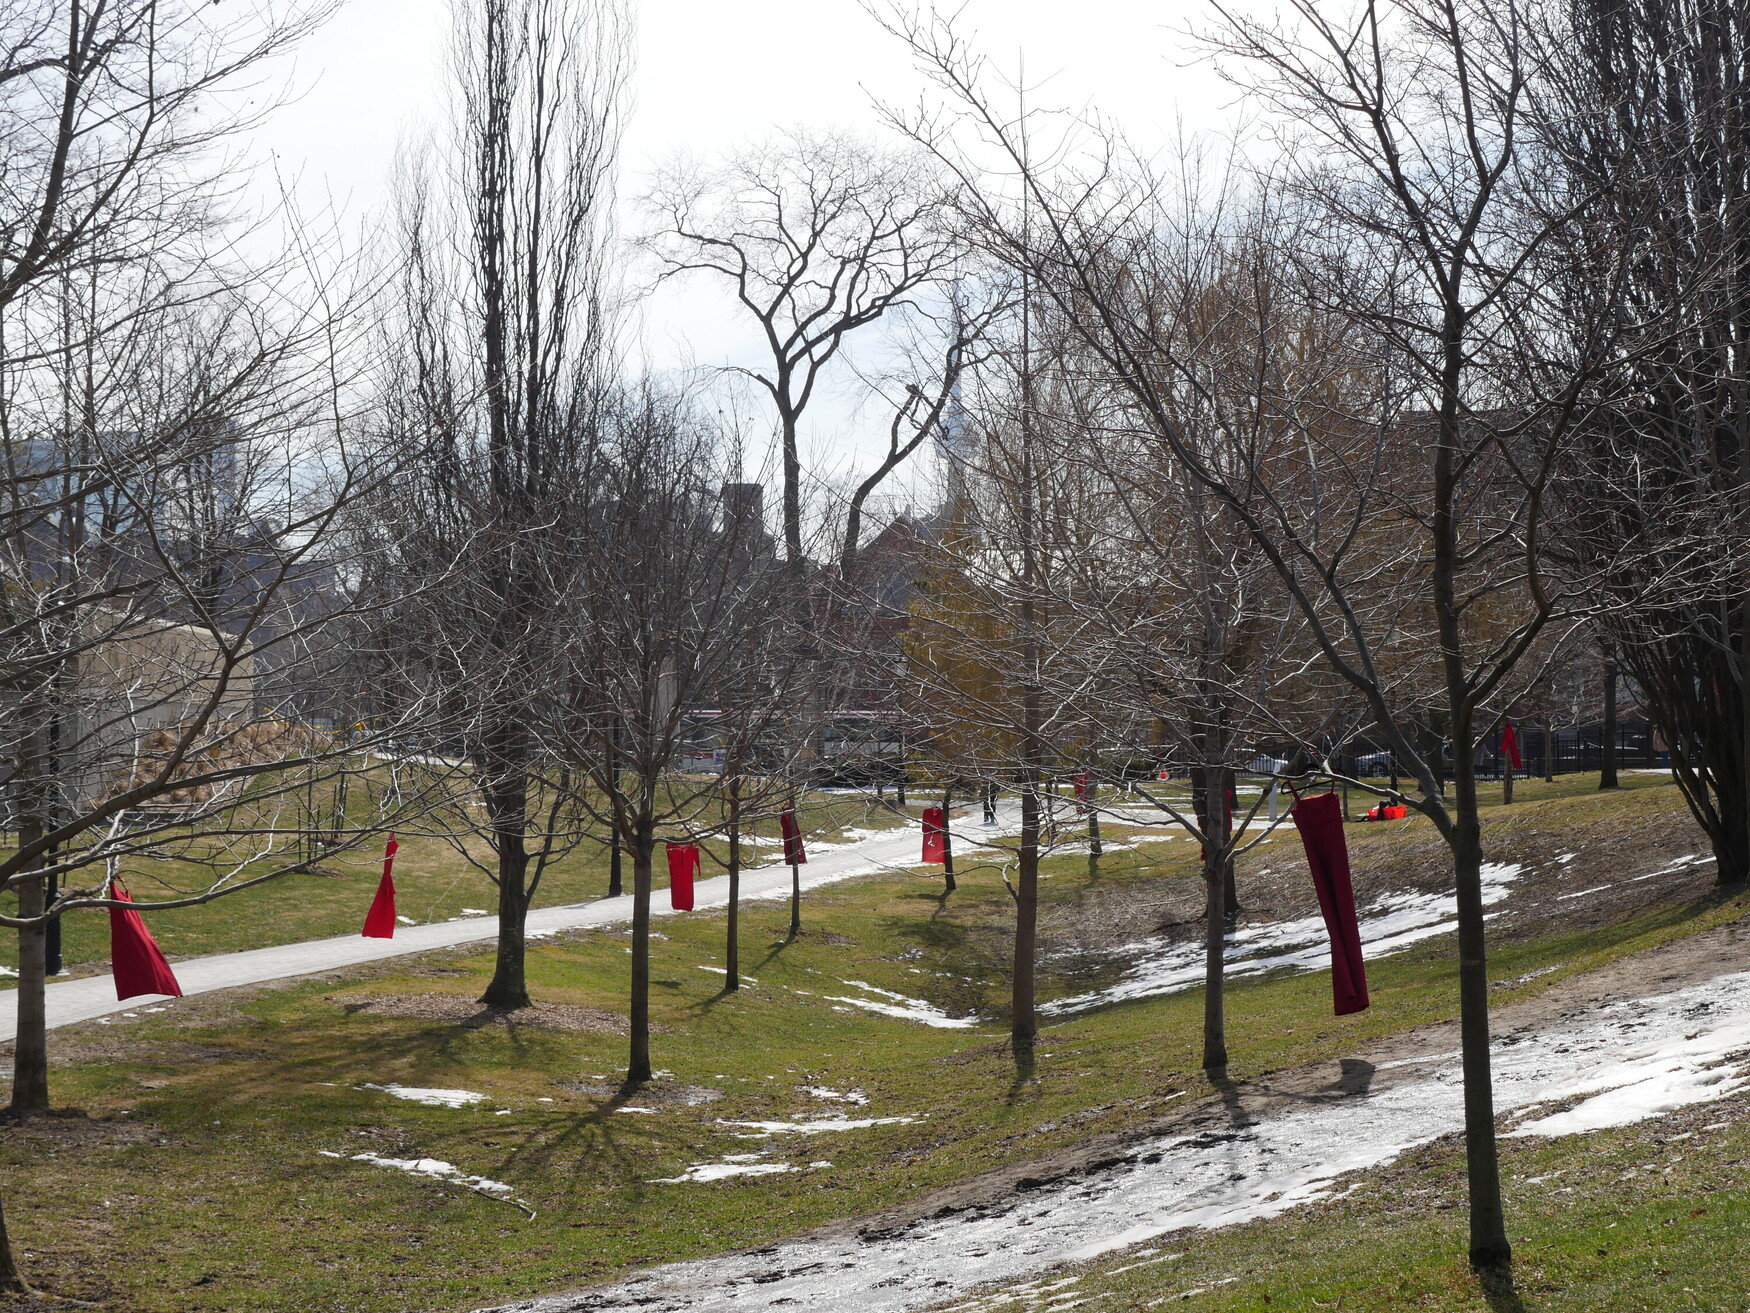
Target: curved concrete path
{"x": 90, "y": 997}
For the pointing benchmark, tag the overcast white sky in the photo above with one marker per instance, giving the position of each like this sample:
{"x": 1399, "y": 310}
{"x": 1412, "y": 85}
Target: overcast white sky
{"x": 711, "y": 74}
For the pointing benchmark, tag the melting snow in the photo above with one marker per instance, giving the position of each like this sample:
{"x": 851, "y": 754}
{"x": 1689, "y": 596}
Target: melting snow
{"x": 823, "y": 1124}
{"x": 1388, "y": 925}
{"x": 907, "y": 1009}
{"x": 1625, "y": 1061}
{"x": 736, "y": 1164}
{"x": 431, "y": 1098}
{"x": 844, "y": 1096}
{"x": 436, "y": 1168}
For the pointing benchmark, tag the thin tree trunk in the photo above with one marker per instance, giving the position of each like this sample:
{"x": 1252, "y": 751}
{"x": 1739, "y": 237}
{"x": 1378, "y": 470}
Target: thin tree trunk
{"x": 948, "y": 885}
{"x": 30, "y": 1062}
{"x": 615, "y": 887}
{"x": 1214, "y": 945}
{"x": 508, "y": 988}
{"x": 732, "y": 954}
{"x": 638, "y": 1063}
{"x": 795, "y": 900}
{"x": 1549, "y": 753}
{"x": 1506, "y": 778}
{"x": 1489, "y": 1250}
{"x": 1095, "y": 849}
{"x": 1230, "y": 889}
{"x": 1607, "y": 748}
{"x": 12, "y": 1281}
{"x": 1024, "y": 1020}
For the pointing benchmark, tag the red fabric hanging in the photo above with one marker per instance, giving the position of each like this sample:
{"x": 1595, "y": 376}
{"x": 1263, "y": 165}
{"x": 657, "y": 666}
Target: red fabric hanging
{"x": 683, "y": 865}
{"x": 794, "y": 853}
{"x": 1320, "y": 821}
{"x": 1510, "y": 744}
{"x": 1081, "y": 795}
{"x": 935, "y": 827}
{"x": 134, "y": 956}
{"x": 380, "y": 920}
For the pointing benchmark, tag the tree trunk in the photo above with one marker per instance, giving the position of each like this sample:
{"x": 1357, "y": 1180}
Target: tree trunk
{"x": 1215, "y": 865}
{"x": 1230, "y": 889}
{"x": 615, "y": 887}
{"x": 30, "y": 1063}
{"x": 1607, "y": 748}
{"x": 795, "y": 900}
{"x": 732, "y": 965}
{"x": 990, "y": 804}
{"x": 638, "y": 1063}
{"x": 1489, "y": 1250}
{"x": 1024, "y": 1019}
{"x": 1506, "y": 778}
{"x": 948, "y": 885}
{"x": 12, "y": 1281}
{"x": 509, "y": 985}
{"x": 1095, "y": 849}
{"x": 1549, "y": 753}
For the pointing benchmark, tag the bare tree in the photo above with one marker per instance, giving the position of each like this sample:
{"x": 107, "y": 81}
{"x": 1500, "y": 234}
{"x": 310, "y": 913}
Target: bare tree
{"x": 816, "y": 237}
{"x": 677, "y": 618}
{"x": 497, "y": 377}
{"x": 1418, "y": 231}
{"x": 1654, "y": 125}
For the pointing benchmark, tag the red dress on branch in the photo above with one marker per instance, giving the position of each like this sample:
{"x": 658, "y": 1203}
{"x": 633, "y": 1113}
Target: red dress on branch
{"x": 935, "y": 827}
{"x": 134, "y": 956}
{"x": 794, "y": 853}
{"x": 1319, "y": 818}
{"x": 683, "y": 865}
{"x": 380, "y": 920}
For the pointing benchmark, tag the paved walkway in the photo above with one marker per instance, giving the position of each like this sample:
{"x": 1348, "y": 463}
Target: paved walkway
{"x": 89, "y": 997}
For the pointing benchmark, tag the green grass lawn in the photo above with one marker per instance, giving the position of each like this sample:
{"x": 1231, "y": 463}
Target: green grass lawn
{"x": 202, "y": 1154}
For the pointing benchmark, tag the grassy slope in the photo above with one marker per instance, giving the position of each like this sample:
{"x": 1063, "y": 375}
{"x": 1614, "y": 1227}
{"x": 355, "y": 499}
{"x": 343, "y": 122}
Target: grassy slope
{"x": 215, "y": 1183}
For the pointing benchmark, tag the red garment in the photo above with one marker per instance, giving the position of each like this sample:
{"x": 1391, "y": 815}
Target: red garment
{"x": 380, "y": 920}
{"x": 134, "y": 956}
{"x": 1510, "y": 744}
{"x": 683, "y": 864}
{"x": 794, "y": 853}
{"x": 1081, "y": 795}
{"x": 1319, "y": 818}
{"x": 935, "y": 828}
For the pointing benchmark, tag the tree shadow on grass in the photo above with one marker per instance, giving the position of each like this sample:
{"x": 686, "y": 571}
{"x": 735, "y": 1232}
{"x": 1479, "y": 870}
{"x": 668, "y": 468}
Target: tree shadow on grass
{"x": 1498, "y": 1291}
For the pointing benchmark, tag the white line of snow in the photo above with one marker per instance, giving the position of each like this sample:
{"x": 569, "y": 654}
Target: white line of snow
{"x": 1388, "y": 925}
{"x": 431, "y": 1098}
{"x": 823, "y": 1124}
{"x": 436, "y": 1168}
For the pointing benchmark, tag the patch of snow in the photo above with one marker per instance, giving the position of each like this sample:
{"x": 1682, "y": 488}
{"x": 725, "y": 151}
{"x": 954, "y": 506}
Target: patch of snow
{"x": 1670, "y": 868}
{"x": 406, "y": 920}
{"x": 436, "y": 1168}
{"x": 844, "y": 1096}
{"x": 630, "y": 1108}
{"x": 727, "y": 1168}
{"x": 824, "y": 1124}
{"x": 1389, "y": 924}
{"x": 431, "y": 1098}
{"x": 903, "y": 1007}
